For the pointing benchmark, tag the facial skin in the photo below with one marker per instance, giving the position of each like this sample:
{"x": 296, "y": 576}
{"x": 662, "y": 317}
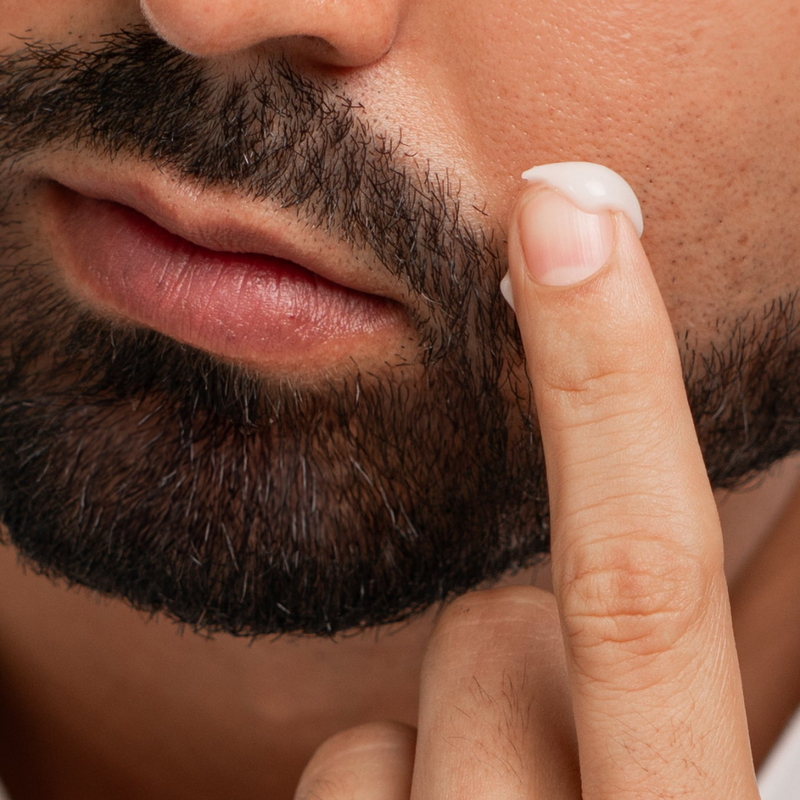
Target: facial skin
{"x": 441, "y": 379}
{"x": 695, "y": 104}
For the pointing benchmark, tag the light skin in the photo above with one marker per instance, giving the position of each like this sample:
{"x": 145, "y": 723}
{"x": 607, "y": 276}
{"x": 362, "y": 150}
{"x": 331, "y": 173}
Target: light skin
{"x": 697, "y": 105}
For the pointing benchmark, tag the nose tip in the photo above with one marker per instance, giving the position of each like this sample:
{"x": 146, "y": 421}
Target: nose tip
{"x": 345, "y": 33}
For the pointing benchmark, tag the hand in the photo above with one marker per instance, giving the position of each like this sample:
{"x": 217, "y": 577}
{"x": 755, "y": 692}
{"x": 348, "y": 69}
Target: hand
{"x": 625, "y": 684}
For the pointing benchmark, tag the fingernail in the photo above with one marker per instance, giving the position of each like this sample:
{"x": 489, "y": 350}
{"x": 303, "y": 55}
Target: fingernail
{"x": 562, "y": 244}
{"x": 591, "y": 187}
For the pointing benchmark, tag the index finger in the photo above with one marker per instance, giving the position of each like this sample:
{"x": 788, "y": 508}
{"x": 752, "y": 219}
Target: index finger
{"x": 636, "y": 541}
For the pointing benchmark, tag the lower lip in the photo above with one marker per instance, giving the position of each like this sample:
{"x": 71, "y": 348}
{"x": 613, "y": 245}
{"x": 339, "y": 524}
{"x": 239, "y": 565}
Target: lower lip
{"x": 249, "y": 308}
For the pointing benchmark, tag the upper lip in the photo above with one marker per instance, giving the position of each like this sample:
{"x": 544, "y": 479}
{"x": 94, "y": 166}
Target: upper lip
{"x": 226, "y": 222}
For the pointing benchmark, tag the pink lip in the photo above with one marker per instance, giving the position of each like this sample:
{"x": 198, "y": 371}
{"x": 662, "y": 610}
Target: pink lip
{"x": 258, "y": 309}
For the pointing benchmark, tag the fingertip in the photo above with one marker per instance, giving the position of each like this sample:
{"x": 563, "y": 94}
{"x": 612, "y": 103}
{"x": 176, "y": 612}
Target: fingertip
{"x": 591, "y": 187}
{"x": 563, "y": 229}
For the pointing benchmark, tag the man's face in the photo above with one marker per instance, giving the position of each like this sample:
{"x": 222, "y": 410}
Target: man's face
{"x": 224, "y": 438}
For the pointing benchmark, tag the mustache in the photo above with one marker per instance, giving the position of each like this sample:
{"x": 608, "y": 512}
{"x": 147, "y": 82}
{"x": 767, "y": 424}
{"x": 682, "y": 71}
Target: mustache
{"x": 272, "y": 133}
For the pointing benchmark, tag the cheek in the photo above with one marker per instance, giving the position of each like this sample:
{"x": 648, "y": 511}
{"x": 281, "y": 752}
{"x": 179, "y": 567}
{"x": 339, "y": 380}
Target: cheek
{"x": 697, "y": 104}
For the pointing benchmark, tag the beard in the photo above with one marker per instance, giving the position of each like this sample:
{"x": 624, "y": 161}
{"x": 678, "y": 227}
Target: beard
{"x": 152, "y": 471}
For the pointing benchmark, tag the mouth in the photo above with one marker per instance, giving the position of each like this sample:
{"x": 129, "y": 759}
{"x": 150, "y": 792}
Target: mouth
{"x": 224, "y": 286}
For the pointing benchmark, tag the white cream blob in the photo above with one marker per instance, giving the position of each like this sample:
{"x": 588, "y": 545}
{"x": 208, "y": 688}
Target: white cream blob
{"x": 591, "y": 187}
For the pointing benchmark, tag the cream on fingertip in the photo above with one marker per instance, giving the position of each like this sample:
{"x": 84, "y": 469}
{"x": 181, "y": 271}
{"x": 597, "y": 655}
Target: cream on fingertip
{"x": 507, "y": 291}
{"x": 591, "y": 187}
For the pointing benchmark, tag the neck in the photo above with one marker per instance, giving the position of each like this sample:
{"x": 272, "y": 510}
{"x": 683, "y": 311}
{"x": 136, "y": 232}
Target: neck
{"x": 98, "y": 701}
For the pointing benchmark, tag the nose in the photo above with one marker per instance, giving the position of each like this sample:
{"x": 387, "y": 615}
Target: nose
{"x": 346, "y": 33}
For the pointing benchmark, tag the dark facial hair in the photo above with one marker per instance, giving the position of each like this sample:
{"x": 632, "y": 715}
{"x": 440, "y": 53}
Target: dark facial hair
{"x": 146, "y": 469}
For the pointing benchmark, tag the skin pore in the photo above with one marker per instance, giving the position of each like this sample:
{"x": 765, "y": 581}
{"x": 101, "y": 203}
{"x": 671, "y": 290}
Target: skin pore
{"x": 696, "y": 104}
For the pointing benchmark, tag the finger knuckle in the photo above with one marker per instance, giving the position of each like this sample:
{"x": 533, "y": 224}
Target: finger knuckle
{"x": 605, "y": 406}
{"x": 588, "y": 375}
{"x": 631, "y": 597}
{"x": 600, "y": 358}
{"x": 367, "y": 737}
{"x": 584, "y": 383}
{"x": 327, "y": 787}
{"x": 469, "y": 622}
{"x": 335, "y": 770}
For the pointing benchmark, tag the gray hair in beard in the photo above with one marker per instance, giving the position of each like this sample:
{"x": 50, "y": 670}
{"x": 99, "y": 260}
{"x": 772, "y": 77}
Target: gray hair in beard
{"x": 148, "y": 470}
